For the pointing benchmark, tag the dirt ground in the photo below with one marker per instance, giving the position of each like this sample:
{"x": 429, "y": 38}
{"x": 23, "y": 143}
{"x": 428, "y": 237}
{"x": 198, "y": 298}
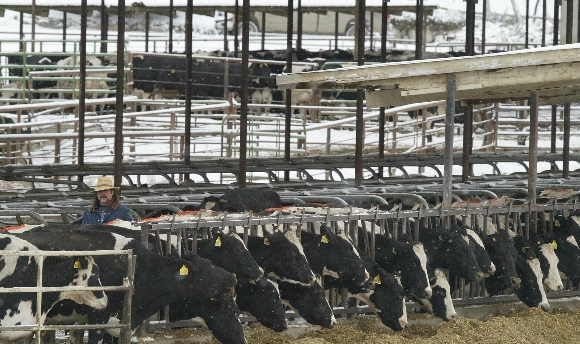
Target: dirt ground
{"x": 520, "y": 325}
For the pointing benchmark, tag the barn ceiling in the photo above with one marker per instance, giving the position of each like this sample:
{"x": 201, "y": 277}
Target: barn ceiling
{"x": 553, "y": 71}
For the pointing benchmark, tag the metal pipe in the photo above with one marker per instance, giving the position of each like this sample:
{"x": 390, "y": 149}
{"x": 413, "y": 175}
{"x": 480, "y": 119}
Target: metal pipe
{"x": 449, "y": 121}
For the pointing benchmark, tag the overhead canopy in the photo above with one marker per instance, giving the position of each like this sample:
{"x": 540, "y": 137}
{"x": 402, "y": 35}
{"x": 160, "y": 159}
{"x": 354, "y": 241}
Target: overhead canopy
{"x": 207, "y": 7}
{"x": 553, "y": 71}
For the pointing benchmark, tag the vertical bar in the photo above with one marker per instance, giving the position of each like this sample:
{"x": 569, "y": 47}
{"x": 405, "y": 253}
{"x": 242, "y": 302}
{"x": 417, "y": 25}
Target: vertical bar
{"x": 382, "y": 119}
{"x": 533, "y": 159}
{"x": 81, "y": 108}
{"x": 244, "y": 94}
{"x": 360, "y": 93}
{"x": 263, "y": 26}
{"x": 288, "y": 92}
{"x": 147, "y": 26}
{"x": 33, "y": 25}
{"x": 64, "y": 31}
{"x": 171, "y": 26}
{"x": 420, "y": 11}
{"x": 553, "y": 129}
{"x": 470, "y": 28}
{"x": 105, "y": 26}
{"x": 39, "y": 293}
{"x": 226, "y": 43}
{"x": 483, "y": 26}
{"x": 336, "y": 30}
{"x": 527, "y": 39}
{"x": 467, "y": 142}
{"x": 125, "y": 337}
{"x": 566, "y": 146}
{"x": 299, "y": 26}
{"x": 449, "y": 113}
{"x": 236, "y": 28}
{"x": 544, "y": 16}
{"x": 188, "y": 90}
{"x": 569, "y": 20}
{"x": 119, "y": 93}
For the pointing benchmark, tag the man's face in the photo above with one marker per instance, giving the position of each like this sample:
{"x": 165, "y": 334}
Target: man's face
{"x": 106, "y": 197}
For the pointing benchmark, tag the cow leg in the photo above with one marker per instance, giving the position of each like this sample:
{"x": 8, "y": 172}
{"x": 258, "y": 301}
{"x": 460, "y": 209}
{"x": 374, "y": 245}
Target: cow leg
{"x": 76, "y": 336}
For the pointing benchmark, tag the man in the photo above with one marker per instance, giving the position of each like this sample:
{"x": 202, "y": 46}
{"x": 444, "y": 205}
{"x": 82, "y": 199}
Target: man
{"x": 106, "y": 206}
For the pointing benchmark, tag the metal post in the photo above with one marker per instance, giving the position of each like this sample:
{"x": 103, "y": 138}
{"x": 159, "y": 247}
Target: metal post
{"x": 188, "y": 67}
{"x": 483, "y": 20}
{"x": 64, "y": 31}
{"x": 470, "y": 28}
{"x": 527, "y": 40}
{"x": 420, "y": 11}
{"x": 533, "y": 152}
{"x": 170, "y": 26}
{"x": 244, "y": 94}
{"x": 119, "y": 93}
{"x": 299, "y": 26}
{"x": 82, "y": 85}
{"x": 467, "y": 142}
{"x": 382, "y": 119}
{"x": 449, "y": 120}
{"x": 288, "y": 95}
{"x": 104, "y": 27}
{"x": 360, "y": 93}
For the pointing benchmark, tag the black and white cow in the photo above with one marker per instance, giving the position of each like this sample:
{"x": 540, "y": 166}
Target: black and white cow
{"x": 22, "y": 271}
{"x": 309, "y": 302}
{"x": 386, "y": 297}
{"x": 263, "y": 301}
{"x": 229, "y": 252}
{"x": 220, "y": 314}
{"x": 440, "y": 303}
{"x": 158, "y": 280}
{"x": 546, "y": 253}
{"x": 334, "y": 255}
{"x": 500, "y": 247}
{"x": 568, "y": 253}
{"x": 531, "y": 290}
{"x": 448, "y": 250}
{"x": 474, "y": 241}
{"x": 243, "y": 199}
{"x": 281, "y": 255}
{"x": 407, "y": 257}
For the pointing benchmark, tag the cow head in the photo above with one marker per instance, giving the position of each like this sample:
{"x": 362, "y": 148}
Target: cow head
{"x": 262, "y": 301}
{"x": 387, "y": 299}
{"x": 86, "y": 274}
{"x": 531, "y": 291}
{"x": 503, "y": 254}
{"x": 214, "y": 203}
{"x": 287, "y": 260}
{"x": 205, "y": 279}
{"x": 440, "y": 303}
{"x": 229, "y": 252}
{"x": 546, "y": 253}
{"x": 568, "y": 254}
{"x": 409, "y": 258}
{"x": 309, "y": 302}
{"x": 339, "y": 257}
{"x": 481, "y": 255}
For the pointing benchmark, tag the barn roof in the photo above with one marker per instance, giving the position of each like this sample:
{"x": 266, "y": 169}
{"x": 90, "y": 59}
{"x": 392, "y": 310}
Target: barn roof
{"x": 553, "y": 71}
{"x": 207, "y": 7}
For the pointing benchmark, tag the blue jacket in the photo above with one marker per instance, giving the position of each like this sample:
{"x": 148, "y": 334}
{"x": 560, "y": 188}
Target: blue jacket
{"x": 103, "y": 215}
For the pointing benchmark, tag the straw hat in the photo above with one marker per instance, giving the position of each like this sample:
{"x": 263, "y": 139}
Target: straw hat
{"x": 105, "y": 183}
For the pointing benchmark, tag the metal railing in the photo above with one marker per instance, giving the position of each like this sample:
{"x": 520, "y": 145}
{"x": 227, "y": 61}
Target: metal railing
{"x": 124, "y": 325}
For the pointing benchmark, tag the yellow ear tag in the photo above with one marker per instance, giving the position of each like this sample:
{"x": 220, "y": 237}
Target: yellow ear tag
{"x": 266, "y": 241}
{"x": 555, "y": 245}
{"x": 212, "y": 298}
{"x": 78, "y": 264}
{"x": 218, "y": 242}
{"x": 524, "y": 249}
{"x": 184, "y": 271}
{"x": 324, "y": 239}
{"x": 539, "y": 242}
{"x": 253, "y": 282}
{"x": 173, "y": 71}
{"x": 394, "y": 251}
{"x": 377, "y": 279}
{"x": 557, "y": 223}
{"x": 440, "y": 238}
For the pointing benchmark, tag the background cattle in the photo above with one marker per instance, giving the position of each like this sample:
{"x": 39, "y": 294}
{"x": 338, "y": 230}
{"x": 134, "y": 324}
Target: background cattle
{"x": 243, "y": 199}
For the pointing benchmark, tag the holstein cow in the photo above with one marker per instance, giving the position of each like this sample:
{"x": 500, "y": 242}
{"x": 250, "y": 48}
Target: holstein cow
{"x": 93, "y": 82}
{"x": 474, "y": 241}
{"x": 501, "y": 250}
{"x": 440, "y": 304}
{"x": 281, "y": 255}
{"x": 568, "y": 254}
{"x": 229, "y": 252}
{"x": 531, "y": 290}
{"x": 409, "y": 258}
{"x": 243, "y": 199}
{"x": 546, "y": 253}
{"x": 22, "y": 271}
{"x": 309, "y": 302}
{"x": 158, "y": 280}
{"x": 263, "y": 301}
{"x": 386, "y": 298}
{"x": 219, "y": 314}
{"x": 334, "y": 255}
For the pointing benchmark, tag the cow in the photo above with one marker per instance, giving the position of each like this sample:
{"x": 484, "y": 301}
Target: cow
{"x": 243, "y": 199}
{"x": 531, "y": 290}
{"x": 440, "y": 303}
{"x": 34, "y": 63}
{"x": 409, "y": 258}
{"x": 11, "y": 90}
{"x": 568, "y": 253}
{"x": 93, "y": 82}
{"x": 309, "y": 302}
{"x": 22, "y": 271}
{"x": 219, "y": 314}
{"x": 158, "y": 280}
{"x": 261, "y": 85}
{"x": 229, "y": 252}
{"x": 334, "y": 255}
{"x": 500, "y": 247}
{"x": 474, "y": 241}
{"x": 448, "y": 250}
{"x": 546, "y": 253}
{"x": 386, "y": 297}
{"x": 263, "y": 301}
{"x": 281, "y": 255}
